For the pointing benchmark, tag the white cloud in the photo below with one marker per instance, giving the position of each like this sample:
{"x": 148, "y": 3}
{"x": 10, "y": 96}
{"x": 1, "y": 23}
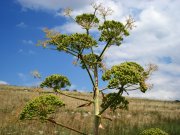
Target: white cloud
{"x": 155, "y": 37}
{"x": 51, "y": 5}
{"x": 28, "y": 42}
{"x": 3, "y": 83}
{"x": 26, "y": 52}
{"x": 69, "y": 28}
{"x": 21, "y": 25}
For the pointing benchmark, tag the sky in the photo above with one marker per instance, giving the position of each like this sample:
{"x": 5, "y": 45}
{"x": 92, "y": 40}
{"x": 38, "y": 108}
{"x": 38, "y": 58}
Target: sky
{"x": 154, "y": 40}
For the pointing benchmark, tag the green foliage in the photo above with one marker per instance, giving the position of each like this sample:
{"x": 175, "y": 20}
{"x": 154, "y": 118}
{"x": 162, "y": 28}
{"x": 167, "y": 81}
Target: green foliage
{"x": 80, "y": 41}
{"x": 81, "y": 46}
{"x": 55, "y": 81}
{"x": 114, "y": 101}
{"x": 91, "y": 61}
{"x": 58, "y": 40}
{"x": 127, "y": 73}
{"x": 74, "y": 42}
{"x": 113, "y": 30}
{"x": 153, "y": 131}
{"x": 87, "y": 21}
{"x": 41, "y": 107}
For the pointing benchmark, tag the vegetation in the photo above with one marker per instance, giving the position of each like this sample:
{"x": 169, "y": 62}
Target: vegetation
{"x": 126, "y": 76}
{"x": 142, "y": 114}
{"x": 153, "y": 131}
{"x": 41, "y": 107}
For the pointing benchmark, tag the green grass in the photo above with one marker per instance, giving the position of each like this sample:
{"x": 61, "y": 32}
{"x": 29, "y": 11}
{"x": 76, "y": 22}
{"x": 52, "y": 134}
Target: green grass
{"x": 142, "y": 114}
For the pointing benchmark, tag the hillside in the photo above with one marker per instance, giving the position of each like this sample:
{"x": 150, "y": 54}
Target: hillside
{"x": 142, "y": 114}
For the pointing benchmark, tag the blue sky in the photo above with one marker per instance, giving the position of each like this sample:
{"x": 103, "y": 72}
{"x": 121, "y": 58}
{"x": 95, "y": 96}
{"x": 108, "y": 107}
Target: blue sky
{"x": 154, "y": 40}
{"x": 20, "y": 31}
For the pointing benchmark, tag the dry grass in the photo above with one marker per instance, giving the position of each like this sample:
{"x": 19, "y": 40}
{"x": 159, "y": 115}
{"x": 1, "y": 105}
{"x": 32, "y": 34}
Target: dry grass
{"x": 142, "y": 114}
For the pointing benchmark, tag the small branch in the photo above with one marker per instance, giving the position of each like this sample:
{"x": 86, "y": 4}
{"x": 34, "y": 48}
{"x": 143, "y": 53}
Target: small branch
{"x": 128, "y": 86}
{"x": 131, "y": 85}
{"x": 87, "y": 31}
{"x": 103, "y": 89}
{"x": 120, "y": 92}
{"x": 65, "y": 51}
{"x": 92, "y": 50}
{"x": 72, "y": 50}
{"x": 70, "y": 53}
{"x": 133, "y": 89}
{"x": 104, "y": 49}
{"x": 84, "y": 105}
{"x": 70, "y": 128}
{"x": 81, "y": 57}
{"x": 126, "y": 91}
{"x": 60, "y": 92}
{"x": 107, "y": 118}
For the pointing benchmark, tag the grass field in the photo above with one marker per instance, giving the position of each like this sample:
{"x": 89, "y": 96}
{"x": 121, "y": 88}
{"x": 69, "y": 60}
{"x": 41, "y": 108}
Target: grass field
{"x": 142, "y": 114}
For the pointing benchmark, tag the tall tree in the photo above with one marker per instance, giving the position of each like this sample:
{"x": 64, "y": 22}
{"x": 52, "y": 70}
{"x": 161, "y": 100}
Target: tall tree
{"x": 124, "y": 77}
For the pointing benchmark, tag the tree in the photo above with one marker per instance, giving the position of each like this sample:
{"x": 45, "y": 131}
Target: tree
{"x": 125, "y": 77}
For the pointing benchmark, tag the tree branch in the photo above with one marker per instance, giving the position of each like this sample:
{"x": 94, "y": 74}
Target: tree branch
{"x": 104, "y": 109}
{"x": 81, "y": 57}
{"x": 107, "y": 118}
{"x": 65, "y": 51}
{"x": 133, "y": 89}
{"x": 131, "y": 85}
{"x": 104, "y": 49}
{"x": 59, "y": 124}
{"x": 60, "y": 92}
{"x": 103, "y": 89}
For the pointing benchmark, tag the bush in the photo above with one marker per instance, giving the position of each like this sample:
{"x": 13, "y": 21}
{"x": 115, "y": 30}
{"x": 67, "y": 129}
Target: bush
{"x": 41, "y": 107}
{"x": 153, "y": 131}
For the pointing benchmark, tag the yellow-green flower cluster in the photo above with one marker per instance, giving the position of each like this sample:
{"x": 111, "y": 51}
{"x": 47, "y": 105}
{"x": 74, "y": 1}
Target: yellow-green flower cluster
{"x": 41, "y": 107}
{"x": 127, "y": 73}
{"x": 56, "y": 82}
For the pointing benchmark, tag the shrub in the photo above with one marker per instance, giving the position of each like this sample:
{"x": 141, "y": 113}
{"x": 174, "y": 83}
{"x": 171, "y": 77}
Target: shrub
{"x": 153, "y": 131}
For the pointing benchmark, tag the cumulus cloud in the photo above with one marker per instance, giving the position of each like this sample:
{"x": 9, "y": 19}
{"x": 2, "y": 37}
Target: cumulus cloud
{"x": 51, "y": 5}
{"x": 154, "y": 40}
{"x": 68, "y": 28}
{"x": 3, "y": 83}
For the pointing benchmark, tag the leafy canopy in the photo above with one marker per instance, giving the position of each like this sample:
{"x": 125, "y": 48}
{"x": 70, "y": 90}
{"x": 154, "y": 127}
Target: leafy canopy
{"x": 127, "y": 73}
{"x": 41, "y": 107}
{"x": 114, "y": 101}
{"x": 113, "y": 31}
{"x": 87, "y": 21}
{"x": 55, "y": 81}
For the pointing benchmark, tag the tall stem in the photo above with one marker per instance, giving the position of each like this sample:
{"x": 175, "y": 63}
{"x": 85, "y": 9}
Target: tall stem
{"x": 87, "y": 69}
{"x": 96, "y": 103}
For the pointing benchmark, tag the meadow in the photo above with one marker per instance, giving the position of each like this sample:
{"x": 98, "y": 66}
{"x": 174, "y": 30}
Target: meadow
{"x": 142, "y": 114}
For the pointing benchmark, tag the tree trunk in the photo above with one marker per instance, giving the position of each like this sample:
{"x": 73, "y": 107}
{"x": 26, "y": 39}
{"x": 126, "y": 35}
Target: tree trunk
{"x": 96, "y": 103}
{"x": 96, "y": 111}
